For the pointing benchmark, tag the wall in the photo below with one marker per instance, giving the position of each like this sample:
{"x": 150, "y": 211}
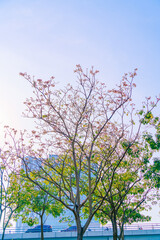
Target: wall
{"x": 99, "y": 235}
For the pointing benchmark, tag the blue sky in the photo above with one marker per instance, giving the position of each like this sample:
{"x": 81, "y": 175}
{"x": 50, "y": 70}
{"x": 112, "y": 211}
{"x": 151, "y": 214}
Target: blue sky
{"x": 49, "y": 37}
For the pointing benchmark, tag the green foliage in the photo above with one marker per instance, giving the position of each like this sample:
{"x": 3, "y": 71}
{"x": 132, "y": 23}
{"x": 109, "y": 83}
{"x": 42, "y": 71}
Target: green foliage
{"x": 9, "y": 200}
{"x": 147, "y": 117}
{"x": 130, "y": 148}
{"x": 33, "y": 200}
{"x": 29, "y": 220}
{"x": 126, "y": 197}
{"x": 149, "y": 139}
{"x": 153, "y": 173}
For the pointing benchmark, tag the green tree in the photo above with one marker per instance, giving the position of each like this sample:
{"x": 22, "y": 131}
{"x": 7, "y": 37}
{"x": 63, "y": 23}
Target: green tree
{"x": 126, "y": 193}
{"x": 8, "y": 202}
{"x": 153, "y": 172}
{"x": 153, "y": 140}
{"x": 125, "y": 201}
{"x": 34, "y": 202}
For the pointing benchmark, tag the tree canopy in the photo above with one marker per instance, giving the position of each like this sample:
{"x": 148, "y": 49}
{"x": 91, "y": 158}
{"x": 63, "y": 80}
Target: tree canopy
{"x": 96, "y": 133}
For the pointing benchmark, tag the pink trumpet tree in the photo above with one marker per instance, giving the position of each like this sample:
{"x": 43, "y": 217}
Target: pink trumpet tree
{"x": 78, "y": 124}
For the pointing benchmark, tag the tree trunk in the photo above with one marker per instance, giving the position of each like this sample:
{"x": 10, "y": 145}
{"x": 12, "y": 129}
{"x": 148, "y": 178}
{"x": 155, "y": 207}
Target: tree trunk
{"x": 3, "y": 234}
{"x": 42, "y": 234}
{"x": 6, "y": 224}
{"x": 114, "y": 226}
{"x": 80, "y": 235}
{"x": 80, "y": 230}
{"x": 121, "y": 235}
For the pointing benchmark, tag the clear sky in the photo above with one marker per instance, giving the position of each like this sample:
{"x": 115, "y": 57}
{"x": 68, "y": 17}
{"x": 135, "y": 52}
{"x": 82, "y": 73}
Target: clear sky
{"x": 49, "y": 37}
